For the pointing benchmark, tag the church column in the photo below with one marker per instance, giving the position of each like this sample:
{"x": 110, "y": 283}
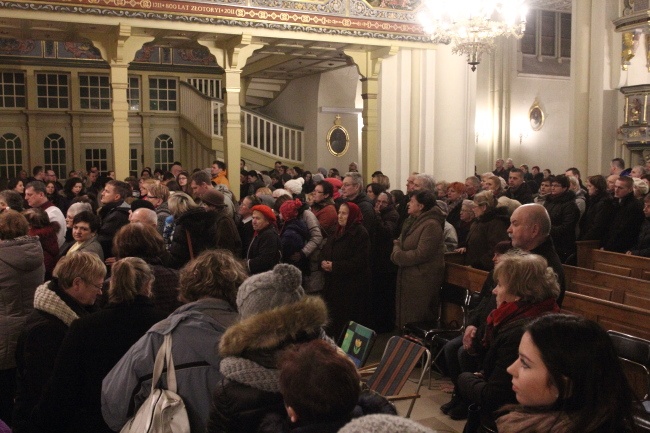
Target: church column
{"x": 369, "y": 64}
{"x": 119, "y": 49}
{"x": 232, "y": 56}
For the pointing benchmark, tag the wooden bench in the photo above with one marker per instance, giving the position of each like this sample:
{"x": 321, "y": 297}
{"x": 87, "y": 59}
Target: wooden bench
{"x": 590, "y": 257}
{"x": 610, "y": 315}
{"x": 464, "y": 276}
{"x": 610, "y": 287}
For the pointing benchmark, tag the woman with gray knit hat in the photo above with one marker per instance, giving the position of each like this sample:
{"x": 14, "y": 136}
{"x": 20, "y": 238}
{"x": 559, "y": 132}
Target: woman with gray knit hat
{"x": 274, "y": 314}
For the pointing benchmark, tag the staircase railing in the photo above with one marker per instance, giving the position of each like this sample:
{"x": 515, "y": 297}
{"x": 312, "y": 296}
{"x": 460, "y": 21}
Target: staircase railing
{"x": 269, "y": 136}
{"x": 258, "y": 132}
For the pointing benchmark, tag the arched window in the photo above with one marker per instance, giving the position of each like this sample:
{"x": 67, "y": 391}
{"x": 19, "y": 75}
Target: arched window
{"x": 163, "y": 148}
{"x": 54, "y": 155}
{"x": 11, "y": 155}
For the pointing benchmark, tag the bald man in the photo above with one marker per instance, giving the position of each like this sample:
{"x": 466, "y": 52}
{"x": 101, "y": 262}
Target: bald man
{"x": 144, "y": 216}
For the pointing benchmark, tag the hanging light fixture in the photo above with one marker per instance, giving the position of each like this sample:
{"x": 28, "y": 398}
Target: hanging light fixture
{"x": 472, "y": 25}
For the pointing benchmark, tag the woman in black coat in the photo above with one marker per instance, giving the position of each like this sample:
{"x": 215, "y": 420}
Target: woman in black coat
{"x": 596, "y": 219}
{"x": 346, "y": 263}
{"x": 265, "y": 249}
{"x": 91, "y": 348}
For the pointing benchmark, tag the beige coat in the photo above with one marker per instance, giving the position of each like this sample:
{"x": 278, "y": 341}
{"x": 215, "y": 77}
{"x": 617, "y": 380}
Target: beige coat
{"x": 419, "y": 253}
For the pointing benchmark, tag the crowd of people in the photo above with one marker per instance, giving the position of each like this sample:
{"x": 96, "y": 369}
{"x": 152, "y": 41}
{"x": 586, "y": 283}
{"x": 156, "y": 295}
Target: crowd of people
{"x": 255, "y": 284}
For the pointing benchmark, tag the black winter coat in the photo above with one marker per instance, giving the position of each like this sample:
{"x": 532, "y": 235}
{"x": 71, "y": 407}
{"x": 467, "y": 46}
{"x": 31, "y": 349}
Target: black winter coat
{"x": 293, "y": 238}
{"x": 36, "y": 351}
{"x": 113, "y": 216}
{"x": 386, "y": 230}
{"x": 523, "y": 194}
{"x": 625, "y": 224}
{"x": 564, "y": 215}
{"x": 91, "y": 348}
{"x": 264, "y": 251}
{"x": 597, "y": 217}
{"x": 347, "y": 284}
{"x": 487, "y": 230}
{"x": 642, "y": 247}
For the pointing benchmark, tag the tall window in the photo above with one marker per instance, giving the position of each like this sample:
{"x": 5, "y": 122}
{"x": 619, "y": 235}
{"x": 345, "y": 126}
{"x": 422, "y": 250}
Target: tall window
{"x": 133, "y": 93}
{"x": 97, "y": 158}
{"x": 12, "y": 90}
{"x": 546, "y": 44}
{"x": 163, "y": 148}
{"x": 54, "y": 149}
{"x": 133, "y": 162}
{"x": 11, "y": 156}
{"x": 52, "y": 90}
{"x": 94, "y": 92}
{"x": 162, "y": 94}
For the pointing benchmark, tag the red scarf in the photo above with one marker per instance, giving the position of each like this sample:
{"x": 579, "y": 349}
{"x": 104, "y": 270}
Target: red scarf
{"x": 510, "y": 311}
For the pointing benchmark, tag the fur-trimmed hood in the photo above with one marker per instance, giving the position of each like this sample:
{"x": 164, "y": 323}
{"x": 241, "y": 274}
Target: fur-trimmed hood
{"x": 275, "y": 328}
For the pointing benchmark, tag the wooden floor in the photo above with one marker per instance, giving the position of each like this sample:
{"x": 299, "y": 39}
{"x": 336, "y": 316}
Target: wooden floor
{"x": 427, "y": 408}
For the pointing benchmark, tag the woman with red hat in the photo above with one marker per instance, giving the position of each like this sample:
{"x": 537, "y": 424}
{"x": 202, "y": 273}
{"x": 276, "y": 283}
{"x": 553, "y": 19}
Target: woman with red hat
{"x": 264, "y": 251}
{"x": 346, "y": 262}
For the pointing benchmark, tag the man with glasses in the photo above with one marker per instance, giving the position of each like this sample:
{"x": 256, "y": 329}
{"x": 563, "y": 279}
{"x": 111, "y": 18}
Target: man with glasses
{"x": 57, "y": 303}
{"x": 323, "y": 207}
{"x": 352, "y": 190}
{"x": 626, "y": 220}
{"x": 561, "y": 206}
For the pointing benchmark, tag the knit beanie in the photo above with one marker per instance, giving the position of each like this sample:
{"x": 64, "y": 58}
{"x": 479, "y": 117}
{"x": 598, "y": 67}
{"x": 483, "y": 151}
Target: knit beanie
{"x": 266, "y": 211}
{"x": 268, "y": 290}
{"x": 381, "y": 423}
{"x": 289, "y": 209}
{"x": 294, "y": 186}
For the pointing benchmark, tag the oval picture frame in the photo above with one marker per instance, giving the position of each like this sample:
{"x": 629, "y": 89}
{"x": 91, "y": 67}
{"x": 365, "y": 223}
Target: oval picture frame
{"x": 536, "y": 117}
{"x": 338, "y": 140}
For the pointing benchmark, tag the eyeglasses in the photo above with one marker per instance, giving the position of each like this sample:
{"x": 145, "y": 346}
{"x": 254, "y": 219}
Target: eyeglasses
{"x": 97, "y": 286}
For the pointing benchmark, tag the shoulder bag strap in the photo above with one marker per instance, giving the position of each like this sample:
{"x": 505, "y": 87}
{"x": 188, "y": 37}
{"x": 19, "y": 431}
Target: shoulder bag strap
{"x": 189, "y": 244}
{"x": 171, "y": 371}
{"x": 158, "y": 366}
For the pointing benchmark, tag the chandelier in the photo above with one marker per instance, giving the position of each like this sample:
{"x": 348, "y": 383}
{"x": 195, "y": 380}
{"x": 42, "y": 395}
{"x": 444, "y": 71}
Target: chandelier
{"x": 472, "y": 26}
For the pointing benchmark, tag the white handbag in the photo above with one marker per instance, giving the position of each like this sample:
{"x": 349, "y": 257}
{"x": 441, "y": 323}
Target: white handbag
{"x": 163, "y": 411}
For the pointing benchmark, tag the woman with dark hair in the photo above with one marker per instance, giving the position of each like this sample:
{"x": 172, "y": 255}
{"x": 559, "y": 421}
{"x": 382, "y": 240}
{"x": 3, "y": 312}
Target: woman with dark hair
{"x": 309, "y": 184}
{"x": 489, "y": 228}
{"x": 323, "y": 207}
{"x": 373, "y": 190}
{"x": 84, "y": 232}
{"x": 12, "y": 200}
{"x": 596, "y": 219}
{"x": 567, "y": 379}
{"x": 47, "y": 233}
{"x": 146, "y": 174}
{"x": 183, "y": 180}
{"x": 73, "y": 187}
{"x": 16, "y": 185}
{"x": 209, "y": 284}
{"x": 526, "y": 289}
{"x": 144, "y": 242}
{"x": 419, "y": 253}
{"x": 53, "y": 196}
{"x": 346, "y": 263}
{"x": 93, "y": 345}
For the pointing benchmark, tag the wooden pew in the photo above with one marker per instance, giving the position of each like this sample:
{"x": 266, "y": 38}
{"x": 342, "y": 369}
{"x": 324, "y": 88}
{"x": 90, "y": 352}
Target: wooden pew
{"x": 464, "y": 276}
{"x": 610, "y": 315}
{"x": 610, "y": 287}
{"x": 591, "y": 257}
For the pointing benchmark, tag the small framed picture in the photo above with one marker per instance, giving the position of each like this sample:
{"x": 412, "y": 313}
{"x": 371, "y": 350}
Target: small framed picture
{"x": 338, "y": 139}
{"x": 536, "y": 117}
